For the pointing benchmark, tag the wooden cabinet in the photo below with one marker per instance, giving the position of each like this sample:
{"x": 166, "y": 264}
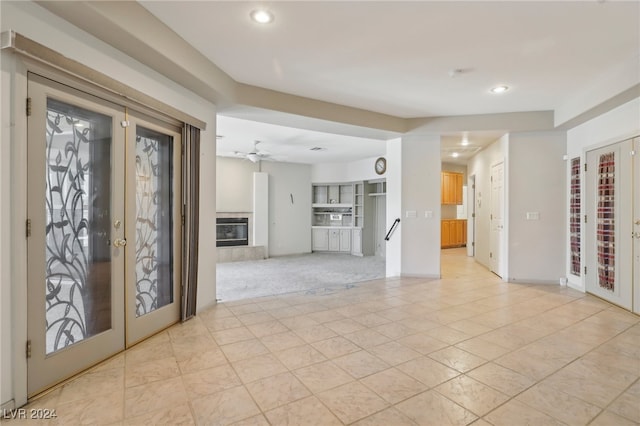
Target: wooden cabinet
{"x": 453, "y": 233}
{"x": 451, "y": 188}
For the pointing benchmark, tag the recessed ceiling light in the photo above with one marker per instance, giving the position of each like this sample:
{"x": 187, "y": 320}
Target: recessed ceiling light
{"x": 261, "y": 16}
{"x": 499, "y": 89}
{"x": 455, "y": 155}
{"x": 465, "y": 141}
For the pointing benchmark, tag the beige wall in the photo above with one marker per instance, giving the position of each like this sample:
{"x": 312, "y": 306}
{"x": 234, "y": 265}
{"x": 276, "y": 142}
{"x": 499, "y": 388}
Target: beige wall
{"x": 289, "y": 222}
{"x": 234, "y": 184}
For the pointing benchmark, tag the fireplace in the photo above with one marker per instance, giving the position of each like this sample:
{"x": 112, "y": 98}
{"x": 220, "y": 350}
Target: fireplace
{"x": 232, "y": 231}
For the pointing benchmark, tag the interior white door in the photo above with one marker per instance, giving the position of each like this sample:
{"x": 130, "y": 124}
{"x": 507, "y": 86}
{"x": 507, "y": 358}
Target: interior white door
{"x": 608, "y": 228}
{"x": 76, "y": 264}
{"x": 497, "y": 219}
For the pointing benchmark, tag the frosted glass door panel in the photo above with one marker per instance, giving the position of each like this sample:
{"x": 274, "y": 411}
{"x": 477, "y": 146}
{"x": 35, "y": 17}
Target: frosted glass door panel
{"x": 77, "y": 203}
{"x": 154, "y": 242}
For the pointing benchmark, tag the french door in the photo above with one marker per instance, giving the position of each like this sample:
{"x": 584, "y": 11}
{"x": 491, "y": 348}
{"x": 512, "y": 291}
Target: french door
{"x": 103, "y": 230}
{"x": 609, "y": 230}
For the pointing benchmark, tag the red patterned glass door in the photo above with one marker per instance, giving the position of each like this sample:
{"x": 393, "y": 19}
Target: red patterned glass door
{"x": 609, "y": 206}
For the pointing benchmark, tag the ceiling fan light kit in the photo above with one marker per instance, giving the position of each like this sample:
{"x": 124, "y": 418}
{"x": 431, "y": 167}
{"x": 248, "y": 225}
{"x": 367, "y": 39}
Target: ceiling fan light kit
{"x": 255, "y": 155}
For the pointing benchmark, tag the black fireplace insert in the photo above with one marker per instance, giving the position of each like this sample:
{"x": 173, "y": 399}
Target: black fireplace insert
{"x": 232, "y": 231}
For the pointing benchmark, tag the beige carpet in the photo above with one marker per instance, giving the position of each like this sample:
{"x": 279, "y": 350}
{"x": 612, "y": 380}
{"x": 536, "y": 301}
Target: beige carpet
{"x": 311, "y": 273}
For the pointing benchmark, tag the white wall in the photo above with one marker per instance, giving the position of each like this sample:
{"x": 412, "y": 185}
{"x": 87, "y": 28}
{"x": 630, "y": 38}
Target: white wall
{"x": 480, "y": 166}
{"x": 420, "y": 194}
{"x": 393, "y": 252}
{"x": 34, "y": 22}
{"x": 289, "y": 221}
{"x": 234, "y": 184}
{"x": 537, "y": 185}
{"x": 289, "y": 224}
{"x": 261, "y": 210}
{"x": 345, "y": 172}
{"x": 616, "y": 125}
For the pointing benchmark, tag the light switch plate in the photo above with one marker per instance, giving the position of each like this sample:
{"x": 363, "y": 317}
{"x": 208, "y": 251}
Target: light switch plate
{"x": 533, "y": 215}
{"x": 411, "y": 213}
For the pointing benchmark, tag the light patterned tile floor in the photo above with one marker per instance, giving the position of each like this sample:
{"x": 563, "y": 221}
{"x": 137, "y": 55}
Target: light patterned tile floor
{"x": 464, "y": 349}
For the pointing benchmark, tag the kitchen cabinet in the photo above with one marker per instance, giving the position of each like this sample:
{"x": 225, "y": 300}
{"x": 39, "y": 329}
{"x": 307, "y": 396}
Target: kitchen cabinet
{"x": 453, "y": 233}
{"x": 451, "y": 188}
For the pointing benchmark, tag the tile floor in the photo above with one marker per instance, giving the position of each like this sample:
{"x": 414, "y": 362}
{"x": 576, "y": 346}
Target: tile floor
{"x": 464, "y": 349}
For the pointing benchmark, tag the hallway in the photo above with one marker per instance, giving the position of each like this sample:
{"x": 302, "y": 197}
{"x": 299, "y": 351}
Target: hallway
{"x": 463, "y": 349}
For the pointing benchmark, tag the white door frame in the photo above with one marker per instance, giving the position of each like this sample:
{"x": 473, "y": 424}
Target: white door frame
{"x": 471, "y": 215}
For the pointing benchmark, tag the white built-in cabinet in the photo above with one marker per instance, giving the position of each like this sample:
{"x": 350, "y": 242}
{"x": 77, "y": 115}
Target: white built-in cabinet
{"x": 356, "y": 247}
{"x": 338, "y": 217}
{"x": 320, "y": 239}
{"x": 331, "y": 239}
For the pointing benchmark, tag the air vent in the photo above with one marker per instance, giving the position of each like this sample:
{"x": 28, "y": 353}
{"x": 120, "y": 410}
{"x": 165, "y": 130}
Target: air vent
{"x": 317, "y": 148}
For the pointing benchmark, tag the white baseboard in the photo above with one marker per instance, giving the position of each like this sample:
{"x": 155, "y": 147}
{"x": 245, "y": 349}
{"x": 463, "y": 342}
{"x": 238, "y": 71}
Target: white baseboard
{"x": 8, "y": 406}
{"x": 428, "y": 276}
{"x": 532, "y": 281}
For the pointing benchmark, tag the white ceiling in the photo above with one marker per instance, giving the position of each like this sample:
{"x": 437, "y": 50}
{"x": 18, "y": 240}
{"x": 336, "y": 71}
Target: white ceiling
{"x": 396, "y": 57}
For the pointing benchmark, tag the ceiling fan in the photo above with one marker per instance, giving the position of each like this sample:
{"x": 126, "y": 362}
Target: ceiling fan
{"x": 255, "y": 155}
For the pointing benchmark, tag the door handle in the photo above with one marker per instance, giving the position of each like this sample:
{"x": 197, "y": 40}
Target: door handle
{"x": 120, "y": 242}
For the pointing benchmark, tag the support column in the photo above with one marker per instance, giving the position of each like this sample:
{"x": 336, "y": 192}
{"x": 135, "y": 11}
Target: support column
{"x": 413, "y": 195}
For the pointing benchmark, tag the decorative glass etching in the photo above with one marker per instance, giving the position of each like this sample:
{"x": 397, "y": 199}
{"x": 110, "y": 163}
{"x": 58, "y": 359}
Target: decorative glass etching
{"x": 574, "y": 216}
{"x": 154, "y": 240}
{"x": 77, "y": 202}
{"x": 606, "y": 221}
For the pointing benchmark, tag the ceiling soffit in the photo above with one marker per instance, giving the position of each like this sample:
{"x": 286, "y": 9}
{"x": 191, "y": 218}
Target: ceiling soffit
{"x": 125, "y": 26}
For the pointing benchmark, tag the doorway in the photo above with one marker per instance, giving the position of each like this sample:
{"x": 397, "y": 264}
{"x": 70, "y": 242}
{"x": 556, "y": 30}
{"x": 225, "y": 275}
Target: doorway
{"x": 104, "y": 230}
{"x": 611, "y": 257}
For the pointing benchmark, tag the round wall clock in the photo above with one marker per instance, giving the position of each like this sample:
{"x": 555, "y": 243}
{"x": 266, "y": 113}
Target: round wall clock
{"x": 381, "y": 165}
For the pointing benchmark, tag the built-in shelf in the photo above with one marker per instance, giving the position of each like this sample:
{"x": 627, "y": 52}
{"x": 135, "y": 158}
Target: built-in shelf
{"x": 342, "y": 217}
{"x": 332, "y": 206}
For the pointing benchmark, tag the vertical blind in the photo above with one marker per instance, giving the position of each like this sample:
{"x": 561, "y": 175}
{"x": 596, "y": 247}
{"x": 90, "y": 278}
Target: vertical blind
{"x": 190, "y": 191}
